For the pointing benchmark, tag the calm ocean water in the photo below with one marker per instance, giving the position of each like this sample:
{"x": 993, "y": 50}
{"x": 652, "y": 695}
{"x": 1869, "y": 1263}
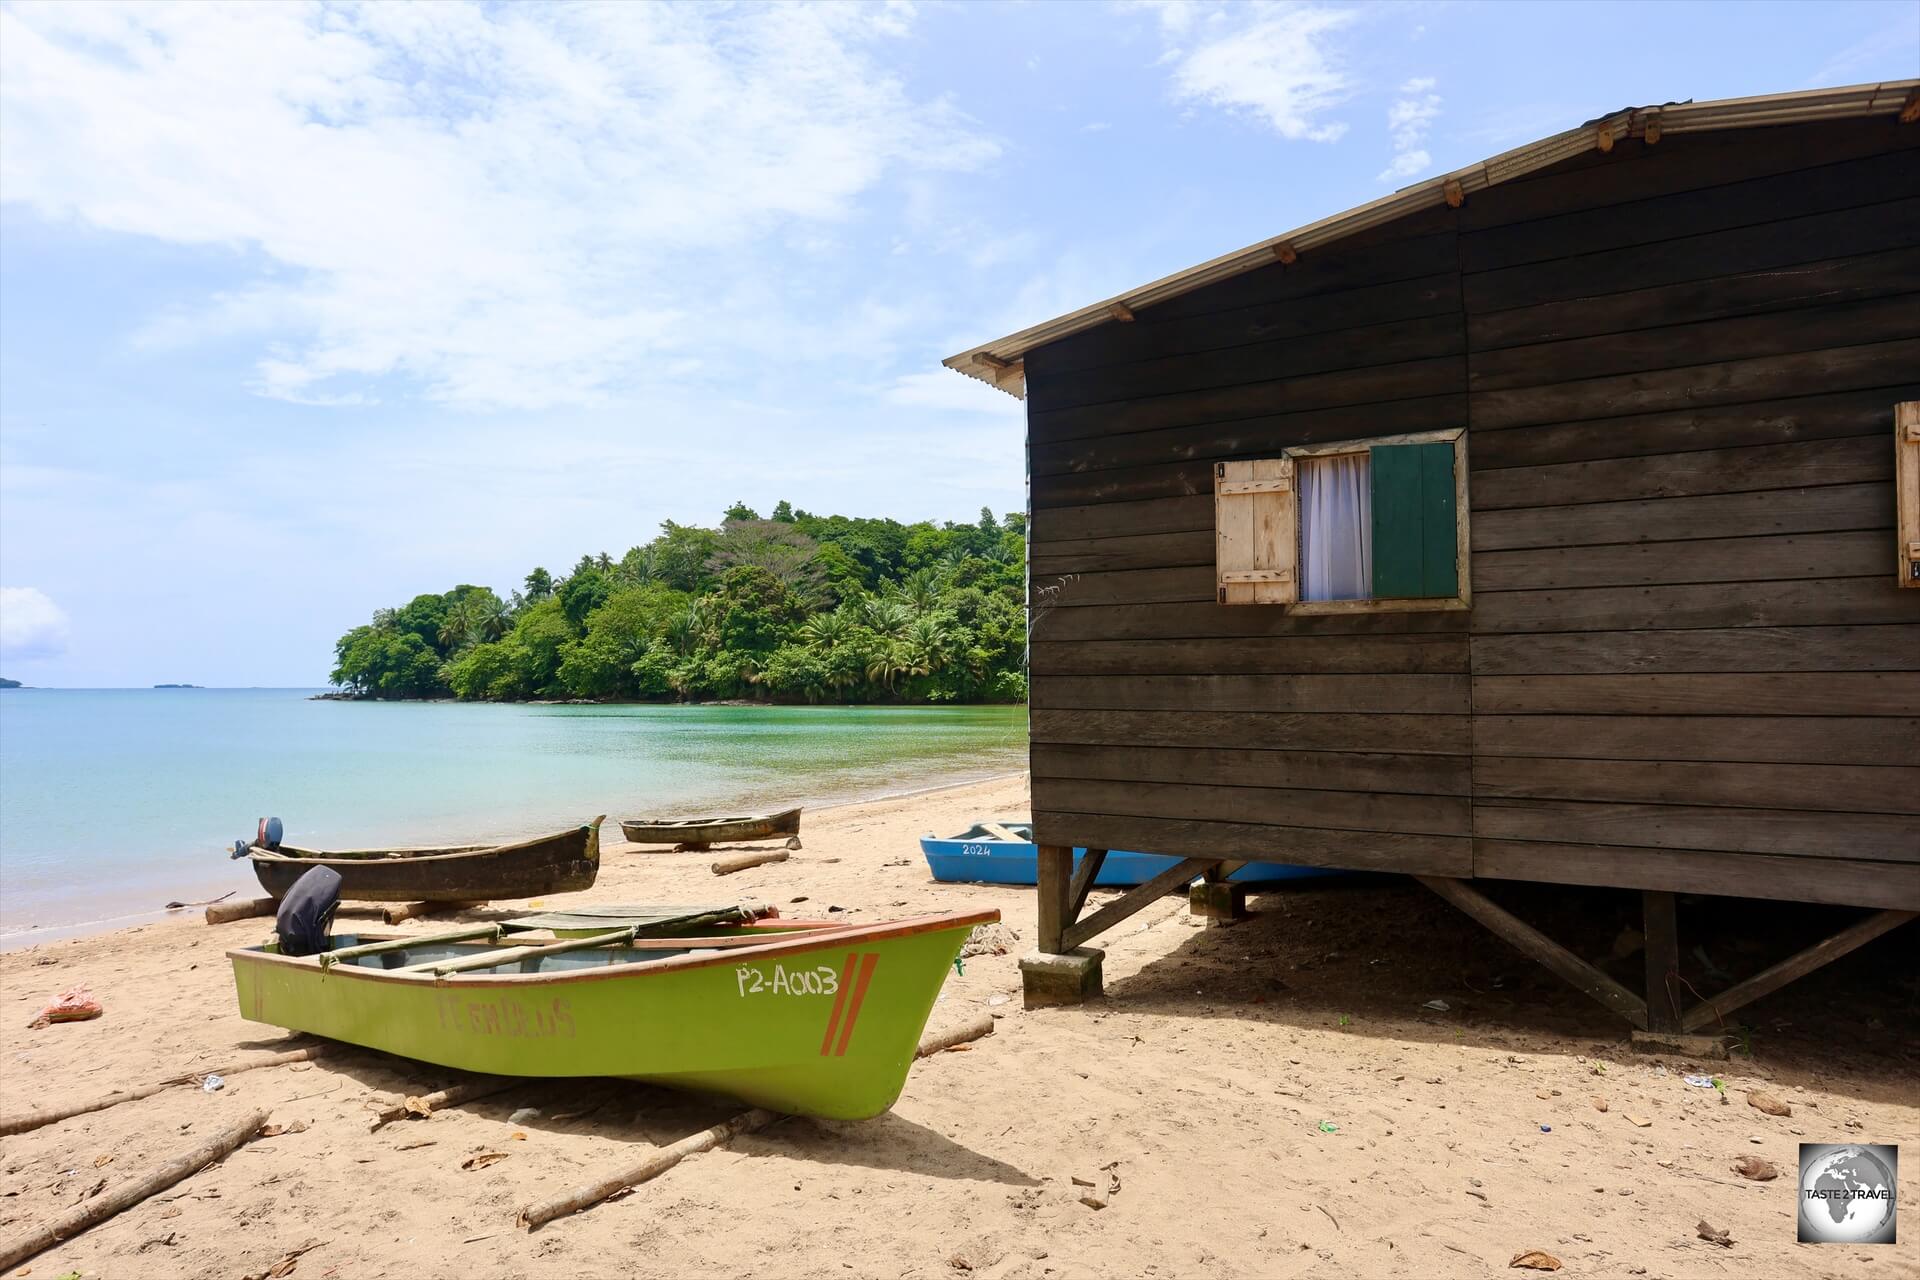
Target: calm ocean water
{"x": 113, "y": 801}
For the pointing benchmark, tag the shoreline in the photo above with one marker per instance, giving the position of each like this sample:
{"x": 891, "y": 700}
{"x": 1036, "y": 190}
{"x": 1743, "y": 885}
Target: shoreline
{"x": 821, "y": 803}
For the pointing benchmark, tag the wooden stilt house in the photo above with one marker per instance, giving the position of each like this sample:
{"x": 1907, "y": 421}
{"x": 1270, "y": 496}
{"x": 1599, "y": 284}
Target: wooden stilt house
{"x": 1554, "y": 520}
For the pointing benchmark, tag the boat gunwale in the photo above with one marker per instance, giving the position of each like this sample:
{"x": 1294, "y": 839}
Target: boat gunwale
{"x": 329, "y": 857}
{"x": 675, "y": 824}
{"x": 772, "y": 948}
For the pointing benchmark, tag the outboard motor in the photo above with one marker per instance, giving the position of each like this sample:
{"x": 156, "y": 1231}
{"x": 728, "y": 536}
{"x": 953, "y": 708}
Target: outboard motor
{"x": 268, "y": 836}
{"x": 306, "y": 913}
{"x": 240, "y": 848}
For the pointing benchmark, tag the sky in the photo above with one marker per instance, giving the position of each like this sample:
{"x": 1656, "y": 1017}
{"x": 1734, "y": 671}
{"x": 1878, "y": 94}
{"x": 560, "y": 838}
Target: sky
{"x": 307, "y": 308}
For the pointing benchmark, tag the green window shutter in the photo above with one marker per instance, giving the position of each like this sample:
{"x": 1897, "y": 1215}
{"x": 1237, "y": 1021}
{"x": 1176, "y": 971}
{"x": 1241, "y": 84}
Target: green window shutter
{"x": 1415, "y": 533}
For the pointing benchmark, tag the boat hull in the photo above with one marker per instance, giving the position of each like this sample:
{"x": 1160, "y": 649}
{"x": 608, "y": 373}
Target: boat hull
{"x": 1005, "y": 862}
{"x": 823, "y": 1026}
{"x": 565, "y": 862}
{"x": 699, "y": 833}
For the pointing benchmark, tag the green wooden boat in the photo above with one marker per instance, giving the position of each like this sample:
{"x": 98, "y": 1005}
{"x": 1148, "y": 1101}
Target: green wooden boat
{"x": 816, "y": 1019}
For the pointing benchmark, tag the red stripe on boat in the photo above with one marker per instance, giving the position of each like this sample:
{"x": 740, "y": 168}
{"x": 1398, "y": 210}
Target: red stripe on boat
{"x": 839, "y": 1002}
{"x": 859, "y": 994}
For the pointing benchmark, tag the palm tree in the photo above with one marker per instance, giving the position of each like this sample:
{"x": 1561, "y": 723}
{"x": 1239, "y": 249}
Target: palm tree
{"x": 489, "y": 619}
{"x": 825, "y": 631}
{"x": 886, "y": 618}
{"x": 927, "y": 646}
{"x": 687, "y": 629}
{"x": 539, "y": 585}
{"x": 921, "y": 590}
{"x": 457, "y": 627}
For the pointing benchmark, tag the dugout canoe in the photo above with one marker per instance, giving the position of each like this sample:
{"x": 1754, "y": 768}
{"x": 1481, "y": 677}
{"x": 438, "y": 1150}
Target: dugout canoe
{"x": 563, "y": 862}
{"x": 821, "y": 1020}
{"x": 702, "y": 833}
{"x": 1003, "y": 852}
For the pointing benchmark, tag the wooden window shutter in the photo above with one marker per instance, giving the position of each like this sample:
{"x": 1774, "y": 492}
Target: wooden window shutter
{"x": 1906, "y": 480}
{"x": 1256, "y": 528}
{"x": 1416, "y": 539}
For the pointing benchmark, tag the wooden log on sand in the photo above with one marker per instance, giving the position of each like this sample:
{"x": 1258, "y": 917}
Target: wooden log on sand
{"x": 408, "y": 910}
{"x": 538, "y": 1215}
{"x": 228, "y": 912}
{"x": 961, "y": 1034}
{"x": 26, "y": 1122}
{"x": 742, "y": 861}
{"x": 423, "y": 1107}
{"x": 584, "y": 1197}
{"x": 90, "y": 1213}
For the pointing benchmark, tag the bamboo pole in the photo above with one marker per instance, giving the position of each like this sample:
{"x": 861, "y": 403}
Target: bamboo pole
{"x": 511, "y": 955}
{"x": 91, "y": 1213}
{"x": 228, "y": 912}
{"x": 585, "y": 1197}
{"x": 491, "y": 932}
{"x": 422, "y": 1107}
{"x": 26, "y": 1122}
{"x": 743, "y": 861}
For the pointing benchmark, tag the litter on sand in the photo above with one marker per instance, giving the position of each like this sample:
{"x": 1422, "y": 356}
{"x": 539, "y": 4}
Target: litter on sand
{"x": 75, "y": 1005}
{"x": 213, "y": 1084}
{"x": 1700, "y": 1082}
{"x": 1438, "y": 1006}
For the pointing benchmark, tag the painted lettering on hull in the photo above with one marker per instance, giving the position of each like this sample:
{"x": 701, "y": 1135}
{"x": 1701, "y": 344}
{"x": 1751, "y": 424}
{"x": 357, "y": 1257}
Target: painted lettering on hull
{"x": 511, "y": 1019}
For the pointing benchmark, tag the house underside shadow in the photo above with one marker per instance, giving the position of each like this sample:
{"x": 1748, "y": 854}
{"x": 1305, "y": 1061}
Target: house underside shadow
{"x": 1374, "y": 952}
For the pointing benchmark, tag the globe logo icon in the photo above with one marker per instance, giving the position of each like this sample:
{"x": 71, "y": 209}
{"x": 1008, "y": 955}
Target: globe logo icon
{"x": 1847, "y": 1194}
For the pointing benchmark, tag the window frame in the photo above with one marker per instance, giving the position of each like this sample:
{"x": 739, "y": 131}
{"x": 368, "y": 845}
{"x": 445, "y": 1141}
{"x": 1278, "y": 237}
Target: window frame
{"x": 1463, "y": 555}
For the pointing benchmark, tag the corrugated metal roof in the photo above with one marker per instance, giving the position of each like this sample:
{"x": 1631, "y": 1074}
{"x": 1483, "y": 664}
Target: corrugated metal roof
{"x": 998, "y": 362}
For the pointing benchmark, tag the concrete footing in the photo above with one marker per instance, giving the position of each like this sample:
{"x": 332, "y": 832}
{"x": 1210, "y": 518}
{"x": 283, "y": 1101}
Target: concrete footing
{"x": 1061, "y": 979}
{"x": 1681, "y": 1043}
{"x": 1219, "y": 901}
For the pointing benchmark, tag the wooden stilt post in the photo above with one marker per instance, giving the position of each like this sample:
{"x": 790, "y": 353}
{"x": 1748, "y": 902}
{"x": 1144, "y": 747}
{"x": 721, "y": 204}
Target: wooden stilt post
{"x": 1056, "y": 885}
{"x": 1658, "y": 918}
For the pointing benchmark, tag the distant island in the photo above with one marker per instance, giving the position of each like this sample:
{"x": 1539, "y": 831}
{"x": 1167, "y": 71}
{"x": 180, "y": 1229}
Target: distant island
{"x": 178, "y": 686}
{"x": 793, "y": 608}
{"x": 10, "y": 684}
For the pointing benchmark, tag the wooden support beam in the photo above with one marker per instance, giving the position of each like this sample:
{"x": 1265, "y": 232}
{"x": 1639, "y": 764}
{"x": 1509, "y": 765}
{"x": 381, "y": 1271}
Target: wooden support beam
{"x": 1659, "y": 921}
{"x": 991, "y": 360}
{"x": 1134, "y": 899}
{"x": 1770, "y": 980}
{"x": 1538, "y": 947}
{"x": 1287, "y": 254}
{"x": 1605, "y": 137}
{"x": 1055, "y": 876}
{"x": 1083, "y": 878}
{"x": 1120, "y": 311}
{"x": 1911, "y": 110}
{"x": 1220, "y": 871}
{"x": 1652, "y": 130}
{"x": 1455, "y": 196}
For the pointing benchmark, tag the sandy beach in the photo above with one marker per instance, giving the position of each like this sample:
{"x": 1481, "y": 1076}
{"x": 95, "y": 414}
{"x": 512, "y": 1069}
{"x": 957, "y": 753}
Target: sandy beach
{"x": 1270, "y": 1100}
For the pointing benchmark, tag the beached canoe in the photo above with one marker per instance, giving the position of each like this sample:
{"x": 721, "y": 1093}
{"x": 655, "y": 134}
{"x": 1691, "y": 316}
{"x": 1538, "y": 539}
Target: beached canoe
{"x": 1003, "y": 853}
{"x": 702, "y": 833}
{"x": 560, "y": 863}
{"x": 822, "y": 1020}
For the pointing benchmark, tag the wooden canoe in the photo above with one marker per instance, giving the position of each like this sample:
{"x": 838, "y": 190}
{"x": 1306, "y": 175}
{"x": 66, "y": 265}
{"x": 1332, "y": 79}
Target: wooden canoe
{"x": 820, "y": 1019}
{"x": 702, "y": 833}
{"x": 563, "y": 862}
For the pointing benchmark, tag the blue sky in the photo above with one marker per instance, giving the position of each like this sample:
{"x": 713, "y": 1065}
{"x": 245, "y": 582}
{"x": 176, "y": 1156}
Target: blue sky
{"x": 305, "y": 309}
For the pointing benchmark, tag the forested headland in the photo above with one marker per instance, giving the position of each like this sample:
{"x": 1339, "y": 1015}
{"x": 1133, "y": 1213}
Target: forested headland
{"x": 795, "y": 608}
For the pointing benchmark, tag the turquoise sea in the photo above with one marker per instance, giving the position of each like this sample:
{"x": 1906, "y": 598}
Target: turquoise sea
{"x": 114, "y": 801}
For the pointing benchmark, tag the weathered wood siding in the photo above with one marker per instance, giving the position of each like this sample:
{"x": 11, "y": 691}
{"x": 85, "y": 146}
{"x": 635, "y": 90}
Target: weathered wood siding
{"x": 1687, "y": 665}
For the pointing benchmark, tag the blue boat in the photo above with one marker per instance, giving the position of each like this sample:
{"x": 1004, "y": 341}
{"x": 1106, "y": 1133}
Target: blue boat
{"x": 1003, "y": 853}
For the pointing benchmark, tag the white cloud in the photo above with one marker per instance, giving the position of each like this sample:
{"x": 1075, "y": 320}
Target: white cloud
{"x": 31, "y": 625}
{"x": 503, "y": 206}
{"x": 943, "y": 389}
{"x": 1273, "y": 62}
{"x": 1408, "y": 121}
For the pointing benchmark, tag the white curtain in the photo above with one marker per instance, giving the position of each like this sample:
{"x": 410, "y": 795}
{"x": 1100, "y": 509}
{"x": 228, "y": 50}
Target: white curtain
{"x": 1336, "y": 528}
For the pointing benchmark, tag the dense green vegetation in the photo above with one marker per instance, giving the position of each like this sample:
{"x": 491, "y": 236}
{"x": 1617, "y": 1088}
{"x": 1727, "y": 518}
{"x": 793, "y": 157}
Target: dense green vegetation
{"x": 797, "y": 608}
